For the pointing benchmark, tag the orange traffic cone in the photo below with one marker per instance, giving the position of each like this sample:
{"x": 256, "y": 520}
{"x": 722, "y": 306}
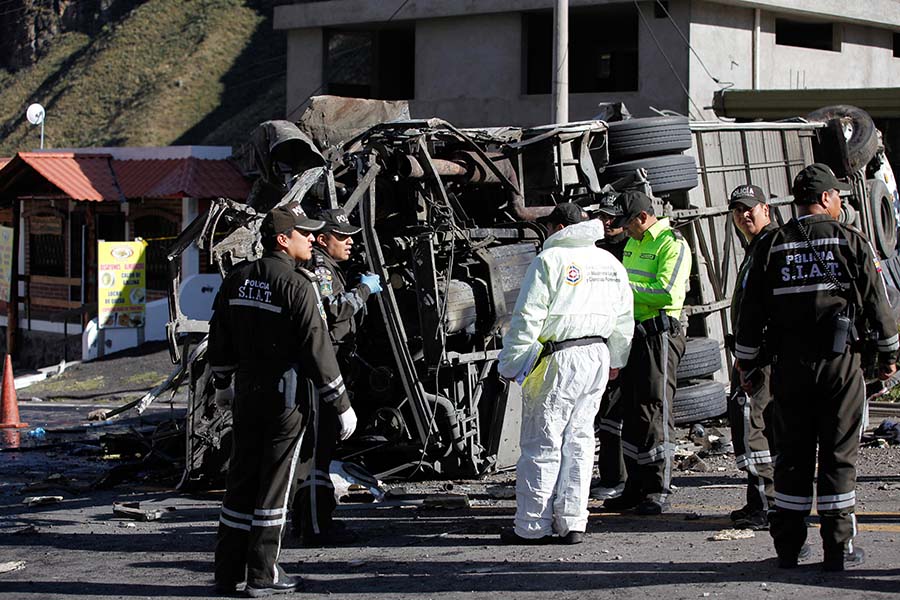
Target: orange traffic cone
{"x": 9, "y": 403}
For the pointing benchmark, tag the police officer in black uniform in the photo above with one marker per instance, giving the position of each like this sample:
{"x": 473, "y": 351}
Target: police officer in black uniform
{"x": 750, "y": 416}
{"x": 268, "y": 332}
{"x": 610, "y": 461}
{"x": 812, "y": 288}
{"x": 315, "y": 502}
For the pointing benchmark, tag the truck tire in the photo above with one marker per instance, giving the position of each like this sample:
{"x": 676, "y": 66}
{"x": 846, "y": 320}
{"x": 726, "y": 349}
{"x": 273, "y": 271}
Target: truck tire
{"x": 648, "y": 137}
{"x": 702, "y": 356}
{"x": 665, "y": 173}
{"x": 699, "y": 401}
{"x": 863, "y": 142}
{"x": 884, "y": 220}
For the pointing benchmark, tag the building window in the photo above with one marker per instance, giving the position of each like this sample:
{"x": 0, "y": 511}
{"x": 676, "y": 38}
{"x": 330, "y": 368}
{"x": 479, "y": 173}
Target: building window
{"x": 47, "y": 246}
{"x": 818, "y": 36}
{"x": 376, "y": 64}
{"x": 597, "y": 63}
{"x": 896, "y": 45}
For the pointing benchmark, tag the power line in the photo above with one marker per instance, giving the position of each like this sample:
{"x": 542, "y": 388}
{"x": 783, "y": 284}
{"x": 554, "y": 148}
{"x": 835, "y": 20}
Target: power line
{"x": 691, "y": 48}
{"x": 666, "y": 58}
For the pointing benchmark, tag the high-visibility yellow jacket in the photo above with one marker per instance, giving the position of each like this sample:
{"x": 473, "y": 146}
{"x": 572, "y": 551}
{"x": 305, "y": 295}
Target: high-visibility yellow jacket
{"x": 658, "y": 269}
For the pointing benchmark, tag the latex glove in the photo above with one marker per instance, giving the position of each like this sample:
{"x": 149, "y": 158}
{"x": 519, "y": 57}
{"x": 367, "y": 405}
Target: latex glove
{"x": 372, "y": 281}
{"x": 347, "y": 421}
{"x": 225, "y": 398}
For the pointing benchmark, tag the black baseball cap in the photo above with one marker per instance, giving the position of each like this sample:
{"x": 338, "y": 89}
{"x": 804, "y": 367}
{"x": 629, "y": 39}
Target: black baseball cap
{"x": 565, "y": 213}
{"x": 609, "y": 206}
{"x": 632, "y": 203}
{"x": 282, "y": 219}
{"x": 336, "y": 221}
{"x": 747, "y": 195}
{"x": 812, "y": 181}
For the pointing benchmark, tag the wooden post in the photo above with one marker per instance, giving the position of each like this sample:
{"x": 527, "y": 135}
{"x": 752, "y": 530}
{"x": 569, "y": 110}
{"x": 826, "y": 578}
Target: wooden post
{"x": 90, "y": 261}
{"x": 12, "y": 306}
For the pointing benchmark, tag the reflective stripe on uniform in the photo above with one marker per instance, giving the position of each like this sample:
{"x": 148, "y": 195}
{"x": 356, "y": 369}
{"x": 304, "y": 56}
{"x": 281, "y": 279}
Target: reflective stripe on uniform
{"x": 891, "y": 343}
{"x": 233, "y": 524}
{"x": 804, "y": 289}
{"x": 818, "y": 242}
{"x": 836, "y": 501}
{"x": 254, "y": 304}
{"x": 746, "y": 352}
{"x": 610, "y": 426}
{"x": 787, "y": 502}
{"x": 753, "y": 458}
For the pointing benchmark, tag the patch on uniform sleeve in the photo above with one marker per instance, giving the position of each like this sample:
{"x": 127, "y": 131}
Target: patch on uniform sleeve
{"x": 573, "y": 274}
{"x": 325, "y": 279}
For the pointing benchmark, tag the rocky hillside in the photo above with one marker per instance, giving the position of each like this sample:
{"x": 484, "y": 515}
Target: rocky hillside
{"x": 138, "y": 73}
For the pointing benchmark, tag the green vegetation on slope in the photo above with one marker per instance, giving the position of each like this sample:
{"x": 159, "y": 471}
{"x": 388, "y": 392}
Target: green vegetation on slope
{"x": 169, "y": 72}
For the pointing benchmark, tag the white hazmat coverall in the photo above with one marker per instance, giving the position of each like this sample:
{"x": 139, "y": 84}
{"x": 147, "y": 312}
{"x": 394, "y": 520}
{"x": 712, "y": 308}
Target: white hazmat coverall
{"x": 572, "y": 290}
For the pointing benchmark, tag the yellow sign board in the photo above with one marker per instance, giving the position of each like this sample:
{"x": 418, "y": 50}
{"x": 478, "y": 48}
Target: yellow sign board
{"x": 121, "y": 284}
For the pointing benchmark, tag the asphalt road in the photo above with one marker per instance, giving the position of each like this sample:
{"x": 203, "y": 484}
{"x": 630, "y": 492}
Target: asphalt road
{"x": 77, "y": 548}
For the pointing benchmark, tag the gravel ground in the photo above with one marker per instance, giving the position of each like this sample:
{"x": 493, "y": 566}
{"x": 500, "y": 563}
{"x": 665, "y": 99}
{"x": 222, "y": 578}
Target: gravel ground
{"x": 78, "y": 548}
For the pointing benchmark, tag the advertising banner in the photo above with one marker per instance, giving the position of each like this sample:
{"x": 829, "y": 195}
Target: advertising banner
{"x": 121, "y": 284}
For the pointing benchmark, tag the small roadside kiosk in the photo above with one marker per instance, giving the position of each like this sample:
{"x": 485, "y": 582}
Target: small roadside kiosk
{"x": 57, "y": 206}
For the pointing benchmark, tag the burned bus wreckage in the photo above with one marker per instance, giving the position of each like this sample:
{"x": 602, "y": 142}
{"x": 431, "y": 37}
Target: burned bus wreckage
{"x": 448, "y": 220}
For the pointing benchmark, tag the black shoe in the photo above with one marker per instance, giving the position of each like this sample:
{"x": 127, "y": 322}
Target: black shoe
{"x": 757, "y": 520}
{"x": 624, "y": 502}
{"x": 742, "y": 512}
{"x": 286, "y": 584}
{"x": 839, "y": 562}
{"x": 573, "y": 537}
{"x": 509, "y": 537}
{"x": 651, "y": 507}
{"x": 790, "y": 562}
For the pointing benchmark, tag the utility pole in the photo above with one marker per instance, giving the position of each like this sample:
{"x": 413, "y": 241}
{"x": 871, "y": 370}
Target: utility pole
{"x": 560, "y": 81}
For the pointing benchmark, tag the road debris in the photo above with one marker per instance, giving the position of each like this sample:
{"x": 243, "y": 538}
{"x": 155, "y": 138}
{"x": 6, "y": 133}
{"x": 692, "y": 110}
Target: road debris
{"x": 728, "y": 535}
{"x": 10, "y": 566}
{"x": 133, "y": 510}
{"x": 41, "y": 500}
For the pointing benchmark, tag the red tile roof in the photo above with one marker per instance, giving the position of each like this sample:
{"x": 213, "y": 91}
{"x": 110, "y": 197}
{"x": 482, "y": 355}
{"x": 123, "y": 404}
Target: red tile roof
{"x": 79, "y": 176}
{"x": 98, "y": 177}
{"x": 180, "y": 178}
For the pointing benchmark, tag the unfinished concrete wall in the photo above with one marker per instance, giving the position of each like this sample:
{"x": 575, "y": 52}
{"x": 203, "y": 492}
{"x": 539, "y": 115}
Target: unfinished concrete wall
{"x": 723, "y": 37}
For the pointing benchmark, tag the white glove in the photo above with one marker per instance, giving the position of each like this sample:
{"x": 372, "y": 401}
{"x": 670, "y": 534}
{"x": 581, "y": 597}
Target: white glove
{"x": 347, "y": 420}
{"x": 225, "y": 398}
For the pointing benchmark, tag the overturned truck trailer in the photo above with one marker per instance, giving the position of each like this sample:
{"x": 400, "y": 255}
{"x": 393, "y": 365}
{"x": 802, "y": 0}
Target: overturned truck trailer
{"x": 448, "y": 221}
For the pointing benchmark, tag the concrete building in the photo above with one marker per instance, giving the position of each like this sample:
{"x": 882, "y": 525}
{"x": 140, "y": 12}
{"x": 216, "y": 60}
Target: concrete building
{"x": 488, "y": 62}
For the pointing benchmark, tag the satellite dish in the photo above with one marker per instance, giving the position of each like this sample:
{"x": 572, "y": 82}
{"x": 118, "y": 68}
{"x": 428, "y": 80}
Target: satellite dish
{"x": 35, "y": 114}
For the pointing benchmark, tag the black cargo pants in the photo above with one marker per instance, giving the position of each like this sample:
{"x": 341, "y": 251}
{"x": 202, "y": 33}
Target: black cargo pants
{"x": 314, "y": 501}
{"x": 753, "y": 437}
{"x": 267, "y": 432}
{"x": 818, "y": 403}
{"x": 648, "y": 386}
{"x": 610, "y": 462}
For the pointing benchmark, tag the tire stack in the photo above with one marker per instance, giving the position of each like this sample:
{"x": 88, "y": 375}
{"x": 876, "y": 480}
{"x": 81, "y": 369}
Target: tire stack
{"x": 698, "y": 397}
{"x": 655, "y": 144}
